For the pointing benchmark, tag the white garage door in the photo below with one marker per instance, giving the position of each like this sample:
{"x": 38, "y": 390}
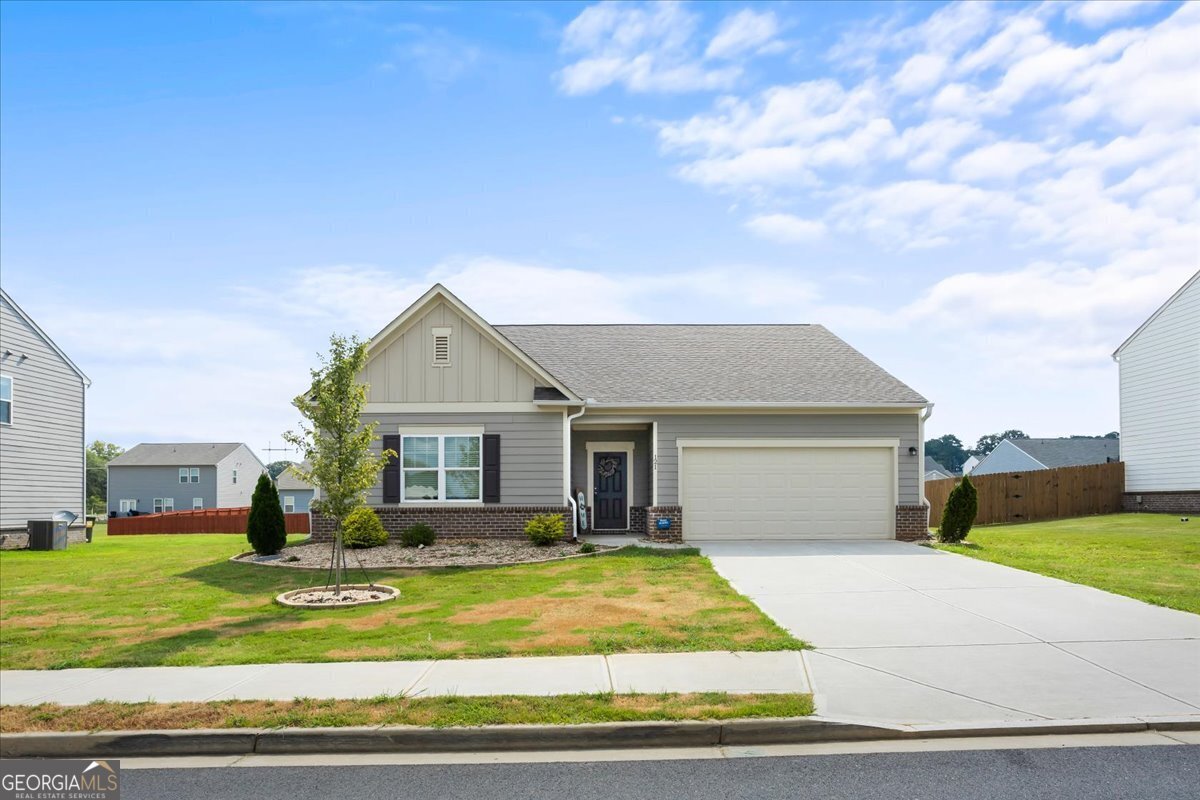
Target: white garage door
{"x": 788, "y": 493}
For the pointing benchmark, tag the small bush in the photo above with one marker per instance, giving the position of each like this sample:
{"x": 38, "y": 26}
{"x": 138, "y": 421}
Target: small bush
{"x": 545, "y": 529}
{"x": 587, "y": 547}
{"x": 266, "y": 529}
{"x": 417, "y": 535}
{"x": 959, "y": 515}
{"x": 363, "y": 529}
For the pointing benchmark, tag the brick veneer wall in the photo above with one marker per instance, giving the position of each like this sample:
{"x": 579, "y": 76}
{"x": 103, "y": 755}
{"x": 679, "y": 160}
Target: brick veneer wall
{"x": 637, "y": 521}
{"x": 672, "y": 534}
{"x": 1162, "y": 502}
{"x": 912, "y": 523}
{"x": 452, "y": 522}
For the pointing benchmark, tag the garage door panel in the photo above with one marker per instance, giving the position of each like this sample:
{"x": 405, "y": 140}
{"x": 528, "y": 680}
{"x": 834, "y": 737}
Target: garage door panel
{"x": 788, "y": 492}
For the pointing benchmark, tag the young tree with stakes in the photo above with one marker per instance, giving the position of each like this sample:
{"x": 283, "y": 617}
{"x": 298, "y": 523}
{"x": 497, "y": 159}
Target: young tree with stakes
{"x": 334, "y": 443}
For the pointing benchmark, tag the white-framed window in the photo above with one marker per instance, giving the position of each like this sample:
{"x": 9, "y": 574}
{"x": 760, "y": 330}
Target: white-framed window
{"x": 235, "y": 476}
{"x": 183, "y": 474}
{"x": 289, "y": 504}
{"x": 128, "y": 505}
{"x": 195, "y": 474}
{"x": 441, "y": 468}
{"x": 197, "y": 503}
{"x": 187, "y": 474}
{"x": 162, "y": 504}
{"x": 6, "y": 399}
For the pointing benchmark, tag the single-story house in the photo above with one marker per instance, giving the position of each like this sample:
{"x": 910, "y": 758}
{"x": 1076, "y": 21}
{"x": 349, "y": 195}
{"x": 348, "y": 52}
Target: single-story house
{"x": 935, "y": 471}
{"x": 1027, "y": 455}
{"x": 295, "y": 495}
{"x": 1159, "y": 368}
{"x": 184, "y": 476}
{"x": 42, "y": 462}
{"x": 694, "y": 432}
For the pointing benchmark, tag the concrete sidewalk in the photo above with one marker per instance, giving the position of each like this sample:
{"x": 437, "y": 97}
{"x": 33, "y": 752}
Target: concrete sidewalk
{"x": 735, "y": 673}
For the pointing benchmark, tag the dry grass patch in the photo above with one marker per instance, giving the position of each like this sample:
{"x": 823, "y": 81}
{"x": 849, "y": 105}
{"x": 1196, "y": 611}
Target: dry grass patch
{"x": 426, "y": 711}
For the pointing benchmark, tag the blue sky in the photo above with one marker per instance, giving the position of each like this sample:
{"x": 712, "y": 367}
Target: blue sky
{"x": 986, "y": 199}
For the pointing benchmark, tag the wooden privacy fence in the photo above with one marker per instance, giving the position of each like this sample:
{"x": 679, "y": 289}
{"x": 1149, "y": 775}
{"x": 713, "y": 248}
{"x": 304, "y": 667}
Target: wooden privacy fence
{"x": 1041, "y": 494}
{"x": 208, "y": 520}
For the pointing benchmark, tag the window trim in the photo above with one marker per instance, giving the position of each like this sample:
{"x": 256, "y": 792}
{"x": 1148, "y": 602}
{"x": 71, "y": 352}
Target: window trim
{"x": 126, "y": 506}
{"x": 235, "y": 474}
{"x": 197, "y": 504}
{"x": 183, "y": 474}
{"x": 194, "y": 475}
{"x": 12, "y": 397}
{"x": 289, "y": 500}
{"x": 161, "y": 505}
{"x": 441, "y": 468}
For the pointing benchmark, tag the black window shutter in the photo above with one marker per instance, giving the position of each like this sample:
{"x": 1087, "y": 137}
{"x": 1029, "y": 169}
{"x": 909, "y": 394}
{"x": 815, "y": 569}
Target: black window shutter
{"x": 491, "y": 468}
{"x": 391, "y": 471}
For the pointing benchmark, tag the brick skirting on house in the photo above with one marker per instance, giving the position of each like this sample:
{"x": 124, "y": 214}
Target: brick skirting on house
{"x": 1162, "y": 502}
{"x": 671, "y": 534}
{"x": 452, "y": 522}
{"x": 912, "y": 523}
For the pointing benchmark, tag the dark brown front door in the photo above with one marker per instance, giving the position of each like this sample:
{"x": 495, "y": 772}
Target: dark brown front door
{"x": 610, "y": 501}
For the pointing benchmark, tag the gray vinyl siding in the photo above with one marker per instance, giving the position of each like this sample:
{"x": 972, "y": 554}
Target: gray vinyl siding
{"x": 904, "y": 427}
{"x": 41, "y": 452}
{"x": 640, "y": 491}
{"x": 303, "y": 498}
{"x": 479, "y": 370}
{"x": 1007, "y": 457}
{"x": 146, "y": 483}
{"x": 531, "y": 457}
{"x": 237, "y": 495}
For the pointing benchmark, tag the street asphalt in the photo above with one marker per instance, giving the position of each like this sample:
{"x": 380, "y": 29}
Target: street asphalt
{"x": 1162, "y": 773}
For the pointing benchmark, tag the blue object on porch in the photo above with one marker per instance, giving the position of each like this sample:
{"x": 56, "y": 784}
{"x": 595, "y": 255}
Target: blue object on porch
{"x": 662, "y": 523}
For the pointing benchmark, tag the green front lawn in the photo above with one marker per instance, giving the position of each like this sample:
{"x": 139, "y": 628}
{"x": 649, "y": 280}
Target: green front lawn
{"x": 437, "y": 712}
{"x": 1152, "y": 557}
{"x": 177, "y": 600}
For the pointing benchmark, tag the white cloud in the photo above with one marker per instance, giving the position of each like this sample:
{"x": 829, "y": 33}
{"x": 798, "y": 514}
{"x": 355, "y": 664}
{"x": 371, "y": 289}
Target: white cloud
{"x": 786, "y": 228}
{"x": 999, "y": 160}
{"x": 744, "y": 32}
{"x": 643, "y": 48}
{"x": 919, "y": 73}
{"x": 1098, "y": 13}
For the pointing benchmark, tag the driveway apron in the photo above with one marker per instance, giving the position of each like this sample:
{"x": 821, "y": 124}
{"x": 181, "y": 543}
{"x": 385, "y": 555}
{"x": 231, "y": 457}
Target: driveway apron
{"x": 909, "y": 634}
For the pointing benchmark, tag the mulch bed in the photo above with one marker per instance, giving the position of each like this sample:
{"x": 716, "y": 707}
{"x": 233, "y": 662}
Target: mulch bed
{"x": 445, "y": 553}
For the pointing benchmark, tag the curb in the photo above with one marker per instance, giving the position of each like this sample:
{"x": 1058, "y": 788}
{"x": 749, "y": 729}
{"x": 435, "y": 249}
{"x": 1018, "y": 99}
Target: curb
{"x": 609, "y": 735}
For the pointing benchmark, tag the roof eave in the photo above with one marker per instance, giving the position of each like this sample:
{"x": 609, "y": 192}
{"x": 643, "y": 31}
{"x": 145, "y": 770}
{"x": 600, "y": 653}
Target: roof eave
{"x": 690, "y": 405}
{"x": 87, "y": 382}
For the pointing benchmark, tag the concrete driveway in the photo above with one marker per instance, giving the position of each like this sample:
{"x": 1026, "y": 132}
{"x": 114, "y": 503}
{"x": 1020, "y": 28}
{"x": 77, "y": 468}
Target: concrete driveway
{"x": 908, "y": 634}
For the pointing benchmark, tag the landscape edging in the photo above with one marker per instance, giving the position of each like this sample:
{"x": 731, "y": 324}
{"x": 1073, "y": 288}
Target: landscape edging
{"x": 399, "y": 739}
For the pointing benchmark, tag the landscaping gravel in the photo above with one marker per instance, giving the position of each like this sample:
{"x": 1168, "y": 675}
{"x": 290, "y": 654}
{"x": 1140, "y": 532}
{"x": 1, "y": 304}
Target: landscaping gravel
{"x": 446, "y": 553}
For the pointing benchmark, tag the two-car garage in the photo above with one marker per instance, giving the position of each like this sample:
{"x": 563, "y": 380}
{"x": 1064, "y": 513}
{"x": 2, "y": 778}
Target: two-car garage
{"x": 788, "y": 489}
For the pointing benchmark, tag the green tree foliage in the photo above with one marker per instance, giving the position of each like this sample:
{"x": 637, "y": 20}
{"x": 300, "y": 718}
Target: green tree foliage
{"x": 266, "y": 529}
{"x": 276, "y": 468}
{"x": 98, "y": 455}
{"x": 987, "y": 443}
{"x": 948, "y": 451}
{"x": 333, "y": 441}
{"x": 959, "y": 515}
{"x": 363, "y": 528}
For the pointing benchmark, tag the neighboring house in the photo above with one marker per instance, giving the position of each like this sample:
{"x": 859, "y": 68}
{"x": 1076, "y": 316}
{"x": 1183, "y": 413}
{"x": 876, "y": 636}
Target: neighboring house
{"x": 935, "y": 471}
{"x": 969, "y": 465}
{"x": 42, "y": 463}
{"x": 153, "y": 478}
{"x": 1027, "y": 455}
{"x": 295, "y": 495}
{"x": 1160, "y": 406}
{"x": 720, "y": 431}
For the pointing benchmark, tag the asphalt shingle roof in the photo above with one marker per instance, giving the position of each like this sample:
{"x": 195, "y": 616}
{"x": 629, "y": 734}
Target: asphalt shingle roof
{"x": 932, "y": 465}
{"x": 288, "y": 480}
{"x": 1070, "y": 452}
{"x": 801, "y": 364}
{"x": 179, "y": 454}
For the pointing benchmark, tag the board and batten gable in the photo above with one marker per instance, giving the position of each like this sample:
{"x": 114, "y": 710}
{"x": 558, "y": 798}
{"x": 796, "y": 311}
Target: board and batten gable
{"x": 237, "y": 494}
{"x": 401, "y": 369}
{"x": 42, "y": 449}
{"x": 904, "y": 427}
{"x": 1160, "y": 397}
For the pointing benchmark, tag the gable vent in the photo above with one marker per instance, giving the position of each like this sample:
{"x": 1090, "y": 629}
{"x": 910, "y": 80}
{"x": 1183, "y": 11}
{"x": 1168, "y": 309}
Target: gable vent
{"x": 441, "y": 347}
